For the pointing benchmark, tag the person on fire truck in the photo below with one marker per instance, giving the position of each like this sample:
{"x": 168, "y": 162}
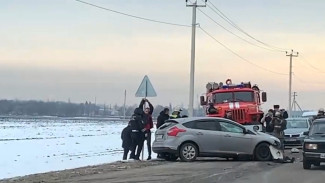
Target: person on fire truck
{"x": 228, "y": 115}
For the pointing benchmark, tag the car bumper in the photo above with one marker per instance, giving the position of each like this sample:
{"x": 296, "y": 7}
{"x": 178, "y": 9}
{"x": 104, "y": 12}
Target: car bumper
{"x": 164, "y": 150}
{"x": 313, "y": 156}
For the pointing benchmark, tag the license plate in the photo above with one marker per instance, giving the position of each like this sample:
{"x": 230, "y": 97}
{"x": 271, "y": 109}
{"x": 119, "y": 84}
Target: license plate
{"x": 290, "y": 140}
{"x": 159, "y": 136}
{"x": 322, "y": 155}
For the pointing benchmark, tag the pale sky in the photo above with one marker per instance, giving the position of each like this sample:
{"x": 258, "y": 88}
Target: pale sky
{"x": 60, "y": 49}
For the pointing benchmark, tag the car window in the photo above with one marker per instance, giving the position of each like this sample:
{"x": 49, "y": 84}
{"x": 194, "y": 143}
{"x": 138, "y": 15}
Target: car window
{"x": 190, "y": 124}
{"x": 228, "y": 127}
{"x": 205, "y": 125}
{"x": 168, "y": 123}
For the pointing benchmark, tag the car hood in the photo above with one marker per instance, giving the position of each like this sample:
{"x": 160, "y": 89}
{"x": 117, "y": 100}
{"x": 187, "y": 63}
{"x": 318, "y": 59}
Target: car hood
{"x": 267, "y": 137}
{"x": 295, "y": 131}
{"x": 315, "y": 138}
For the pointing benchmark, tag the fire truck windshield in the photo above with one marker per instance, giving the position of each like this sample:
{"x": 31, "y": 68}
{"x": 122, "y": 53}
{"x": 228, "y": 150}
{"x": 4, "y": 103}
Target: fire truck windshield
{"x": 233, "y": 97}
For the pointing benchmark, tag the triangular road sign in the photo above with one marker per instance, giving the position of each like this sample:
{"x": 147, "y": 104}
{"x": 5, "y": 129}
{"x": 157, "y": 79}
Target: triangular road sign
{"x": 146, "y": 89}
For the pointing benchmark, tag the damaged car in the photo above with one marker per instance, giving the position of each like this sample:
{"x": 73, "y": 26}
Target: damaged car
{"x": 189, "y": 138}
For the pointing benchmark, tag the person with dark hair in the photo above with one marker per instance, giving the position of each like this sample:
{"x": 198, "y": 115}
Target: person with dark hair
{"x": 228, "y": 115}
{"x": 276, "y": 108}
{"x": 266, "y": 120}
{"x": 126, "y": 140}
{"x": 163, "y": 116}
{"x": 320, "y": 114}
{"x": 148, "y": 123}
{"x": 137, "y": 128}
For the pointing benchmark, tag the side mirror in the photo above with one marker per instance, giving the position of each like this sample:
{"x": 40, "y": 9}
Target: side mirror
{"x": 306, "y": 133}
{"x": 202, "y": 100}
{"x": 264, "y": 97}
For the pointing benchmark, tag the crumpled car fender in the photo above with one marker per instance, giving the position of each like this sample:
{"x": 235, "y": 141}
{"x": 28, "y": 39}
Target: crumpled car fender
{"x": 277, "y": 154}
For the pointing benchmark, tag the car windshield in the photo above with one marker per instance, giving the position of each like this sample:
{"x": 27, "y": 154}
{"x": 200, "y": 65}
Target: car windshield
{"x": 317, "y": 129}
{"x": 243, "y": 96}
{"x": 297, "y": 123}
{"x": 234, "y": 97}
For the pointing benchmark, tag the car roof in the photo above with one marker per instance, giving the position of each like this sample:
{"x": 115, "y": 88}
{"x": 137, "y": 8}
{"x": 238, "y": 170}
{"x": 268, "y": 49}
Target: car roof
{"x": 298, "y": 119}
{"x": 187, "y": 119}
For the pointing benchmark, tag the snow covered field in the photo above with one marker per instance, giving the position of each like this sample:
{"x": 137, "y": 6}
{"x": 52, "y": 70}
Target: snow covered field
{"x": 29, "y": 146}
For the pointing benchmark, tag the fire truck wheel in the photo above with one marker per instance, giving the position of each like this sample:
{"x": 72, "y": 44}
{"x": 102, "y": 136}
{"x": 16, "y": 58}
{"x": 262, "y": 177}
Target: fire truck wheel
{"x": 262, "y": 152}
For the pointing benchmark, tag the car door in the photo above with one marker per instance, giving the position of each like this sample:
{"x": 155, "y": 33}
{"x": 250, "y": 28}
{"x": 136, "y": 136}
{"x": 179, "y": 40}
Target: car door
{"x": 234, "y": 140}
{"x": 207, "y": 135}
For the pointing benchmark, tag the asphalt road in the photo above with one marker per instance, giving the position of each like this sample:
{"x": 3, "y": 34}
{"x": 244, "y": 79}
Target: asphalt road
{"x": 199, "y": 171}
{"x": 203, "y": 171}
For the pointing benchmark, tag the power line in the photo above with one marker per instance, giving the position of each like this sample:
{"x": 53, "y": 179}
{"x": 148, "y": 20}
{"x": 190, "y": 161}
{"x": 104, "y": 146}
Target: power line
{"x": 228, "y": 20}
{"x": 244, "y": 59}
{"x": 310, "y": 65}
{"x": 133, "y": 16}
{"x": 217, "y": 23}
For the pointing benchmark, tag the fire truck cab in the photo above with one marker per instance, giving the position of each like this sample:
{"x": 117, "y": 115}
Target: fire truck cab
{"x": 243, "y": 100}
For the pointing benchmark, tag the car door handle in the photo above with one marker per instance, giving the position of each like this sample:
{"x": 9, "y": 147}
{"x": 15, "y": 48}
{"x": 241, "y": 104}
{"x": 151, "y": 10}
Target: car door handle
{"x": 199, "y": 133}
{"x": 227, "y": 135}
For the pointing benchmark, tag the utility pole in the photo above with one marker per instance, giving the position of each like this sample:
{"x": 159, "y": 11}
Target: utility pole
{"x": 194, "y": 5}
{"x": 295, "y": 103}
{"x": 290, "y": 78}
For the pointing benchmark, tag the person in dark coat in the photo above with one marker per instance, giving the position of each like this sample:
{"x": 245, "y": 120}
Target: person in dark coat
{"x": 148, "y": 123}
{"x": 137, "y": 133}
{"x": 126, "y": 140}
{"x": 163, "y": 116}
{"x": 279, "y": 125}
{"x": 266, "y": 120}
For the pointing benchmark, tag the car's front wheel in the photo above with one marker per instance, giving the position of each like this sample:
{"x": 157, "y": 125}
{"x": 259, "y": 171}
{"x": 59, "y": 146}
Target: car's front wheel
{"x": 306, "y": 164}
{"x": 188, "y": 152}
{"x": 262, "y": 152}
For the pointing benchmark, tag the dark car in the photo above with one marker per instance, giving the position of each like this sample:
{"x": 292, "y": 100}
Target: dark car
{"x": 314, "y": 145}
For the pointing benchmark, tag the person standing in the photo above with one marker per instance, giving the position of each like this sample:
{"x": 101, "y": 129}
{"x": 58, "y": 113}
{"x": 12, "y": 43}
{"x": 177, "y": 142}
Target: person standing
{"x": 279, "y": 125}
{"x": 163, "y": 116}
{"x": 320, "y": 114}
{"x": 137, "y": 128}
{"x": 126, "y": 140}
{"x": 266, "y": 120}
{"x": 148, "y": 123}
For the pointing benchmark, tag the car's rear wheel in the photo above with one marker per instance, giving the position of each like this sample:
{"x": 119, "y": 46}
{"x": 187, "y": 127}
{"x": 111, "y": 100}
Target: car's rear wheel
{"x": 188, "y": 152}
{"x": 262, "y": 152}
{"x": 306, "y": 164}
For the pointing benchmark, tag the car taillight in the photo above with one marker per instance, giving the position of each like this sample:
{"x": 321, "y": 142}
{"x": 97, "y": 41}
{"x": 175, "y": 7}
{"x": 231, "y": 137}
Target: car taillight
{"x": 174, "y": 131}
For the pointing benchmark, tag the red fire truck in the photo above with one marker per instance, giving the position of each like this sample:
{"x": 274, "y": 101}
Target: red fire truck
{"x": 243, "y": 100}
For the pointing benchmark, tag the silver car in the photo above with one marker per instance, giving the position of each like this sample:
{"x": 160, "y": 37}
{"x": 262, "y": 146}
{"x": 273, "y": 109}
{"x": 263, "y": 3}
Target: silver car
{"x": 293, "y": 135}
{"x": 189, "y": 138}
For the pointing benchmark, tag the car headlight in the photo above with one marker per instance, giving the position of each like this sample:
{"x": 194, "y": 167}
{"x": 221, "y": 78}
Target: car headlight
{"x": 311, "y": 146}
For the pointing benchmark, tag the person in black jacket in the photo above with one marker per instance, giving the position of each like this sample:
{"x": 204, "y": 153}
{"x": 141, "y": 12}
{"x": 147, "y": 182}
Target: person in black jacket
{"x": 163, "y": 116}
{"x": 126, "y": 140}
{"x": 137, "y": 133}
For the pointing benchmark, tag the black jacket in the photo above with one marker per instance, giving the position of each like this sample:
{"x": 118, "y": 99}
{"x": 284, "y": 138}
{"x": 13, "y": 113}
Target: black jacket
{"x": 146, "y": 116}
{"x": 136, "y": 122}
{"x": 162, "y": 118}
{"x": 126, "y": 137}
